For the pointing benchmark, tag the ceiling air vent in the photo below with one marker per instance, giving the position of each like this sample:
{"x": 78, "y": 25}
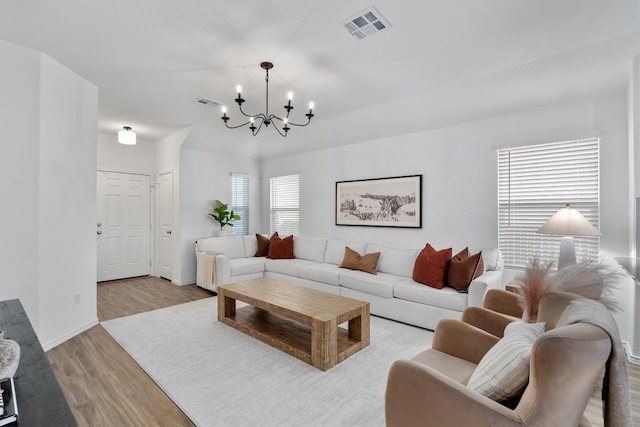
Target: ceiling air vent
{"x": 207, "y": 102}
{"x": 366, "y": 23}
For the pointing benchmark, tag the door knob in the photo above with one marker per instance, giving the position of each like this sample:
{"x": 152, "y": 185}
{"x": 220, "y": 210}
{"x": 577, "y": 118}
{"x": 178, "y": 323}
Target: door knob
{"x": 169, "y": 232}
{"x": 99, "y": 231}
{"x": 99, "y": 224}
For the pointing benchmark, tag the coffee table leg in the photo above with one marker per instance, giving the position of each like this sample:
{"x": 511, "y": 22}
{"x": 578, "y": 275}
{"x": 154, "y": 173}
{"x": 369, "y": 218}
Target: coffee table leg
{"x": 359, "y": 327}
{"x": 324, "y": 344}
{"x": 226, "y": 305}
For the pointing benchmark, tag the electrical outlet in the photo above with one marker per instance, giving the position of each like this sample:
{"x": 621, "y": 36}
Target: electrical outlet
{"x": 76, "y": 299}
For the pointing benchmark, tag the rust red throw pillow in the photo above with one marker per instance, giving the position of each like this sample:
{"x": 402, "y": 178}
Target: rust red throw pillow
{"x": 431, "y": 266}
{"x": 263, "y": 244}
{"x": 463, "y": 269}
{"x": 280, "y": 248}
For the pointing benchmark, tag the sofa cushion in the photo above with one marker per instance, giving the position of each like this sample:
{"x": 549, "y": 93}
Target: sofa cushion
{"x": 324, "y": 273}
{"x": 380, "y": 284}
{"x": 309, "y": 248}
{"x": 410, "y": 290}
{"x": 491, "y": 258}
{"x": 242, "y": 266}
{"x": 354, "y": 261}
{"x": 393, "y": 260}
{"x": 288, "y": 267}
{"x": 504, "y": 370}
{"x": 463, "y": 269}
{"x": 250, "y": 245}
{"x": 281, "y": 248}
{"x": 231, "y": 246}
{"x": 335, "y": 250}
{"x": 430, "y": 266}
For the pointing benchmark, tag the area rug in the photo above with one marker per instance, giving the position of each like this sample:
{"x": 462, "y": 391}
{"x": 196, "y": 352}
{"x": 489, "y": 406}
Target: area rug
{"x": 219, "y": 376}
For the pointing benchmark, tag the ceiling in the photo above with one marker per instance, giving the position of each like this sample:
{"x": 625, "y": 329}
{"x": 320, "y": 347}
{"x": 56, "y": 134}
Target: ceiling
{"x": 439, "y": 63}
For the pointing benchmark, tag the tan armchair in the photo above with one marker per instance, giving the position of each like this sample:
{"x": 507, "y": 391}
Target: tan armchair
{"x": 566, "y": 363}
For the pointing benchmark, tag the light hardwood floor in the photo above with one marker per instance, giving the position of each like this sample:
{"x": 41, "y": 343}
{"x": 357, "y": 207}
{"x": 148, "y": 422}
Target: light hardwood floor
{"x": 106, "y": 387}
{"x": 102, "y": 383}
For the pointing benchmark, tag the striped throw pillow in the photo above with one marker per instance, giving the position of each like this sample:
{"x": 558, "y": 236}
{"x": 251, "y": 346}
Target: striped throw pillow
{"x": 504, "y": 370}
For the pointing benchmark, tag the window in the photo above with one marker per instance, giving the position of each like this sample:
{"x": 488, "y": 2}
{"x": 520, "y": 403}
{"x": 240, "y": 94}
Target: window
{"x": 534, "y": 182}
{"x": 240, "y": 203}
{"x": 285, "y": 204}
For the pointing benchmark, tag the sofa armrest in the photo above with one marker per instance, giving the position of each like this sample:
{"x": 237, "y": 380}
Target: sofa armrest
{"x": 462, "y": 340}
{"x": 480, "y": 285}
{"x": 419, "y": 396}
{"x": 487, "y": 320}
{"x": 221, "y": 271}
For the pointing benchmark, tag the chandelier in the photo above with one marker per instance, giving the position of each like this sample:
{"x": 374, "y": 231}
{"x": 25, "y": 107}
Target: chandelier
{"x": 265, "y": 118}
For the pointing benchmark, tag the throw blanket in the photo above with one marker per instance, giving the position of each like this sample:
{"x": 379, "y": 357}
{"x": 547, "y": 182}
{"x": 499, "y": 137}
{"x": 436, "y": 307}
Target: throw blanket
{"x": 615, "y": 388}
{"x": 210, "y": 268}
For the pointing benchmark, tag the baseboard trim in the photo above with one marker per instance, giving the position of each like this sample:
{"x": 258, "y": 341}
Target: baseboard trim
{"x": 183, "y": 283}
{"x": 631, "y": 358}
{"x": 70, "y": 335}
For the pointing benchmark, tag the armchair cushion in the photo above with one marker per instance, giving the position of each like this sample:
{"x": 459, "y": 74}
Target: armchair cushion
{"x": 504, "y": 371}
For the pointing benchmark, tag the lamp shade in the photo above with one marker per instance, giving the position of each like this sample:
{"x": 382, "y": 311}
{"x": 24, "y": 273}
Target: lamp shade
{"x": 568, "y": 222}
{"x": 126, "y": 136}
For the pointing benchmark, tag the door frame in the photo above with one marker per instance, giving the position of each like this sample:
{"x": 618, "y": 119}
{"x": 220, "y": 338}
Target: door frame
{"x": 156, "y": 222}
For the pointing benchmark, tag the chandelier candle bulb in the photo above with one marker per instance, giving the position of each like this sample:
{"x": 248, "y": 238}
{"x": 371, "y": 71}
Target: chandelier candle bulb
{"x": 290, "y": 95}
{"x": 239, "y": 90}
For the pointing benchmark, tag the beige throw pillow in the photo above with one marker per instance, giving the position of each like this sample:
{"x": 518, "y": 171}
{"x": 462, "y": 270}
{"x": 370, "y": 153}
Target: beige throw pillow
{"x": 504, "y": 370}
{"x": 354, "y": 261}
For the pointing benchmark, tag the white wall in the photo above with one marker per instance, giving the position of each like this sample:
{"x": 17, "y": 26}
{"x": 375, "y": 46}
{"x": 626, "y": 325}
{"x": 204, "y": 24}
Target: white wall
{"x": 116, "y": 157}
{"x": 48, "y": 183}
{"x": 168, "y": 160}
{"x": 19, "y": 145}
{"x": 459, "y": 171}
{"x": 205, "y": 177}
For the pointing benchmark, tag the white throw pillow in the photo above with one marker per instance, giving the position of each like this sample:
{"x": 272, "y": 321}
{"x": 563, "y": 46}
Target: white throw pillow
{"x": 504, "y": 370}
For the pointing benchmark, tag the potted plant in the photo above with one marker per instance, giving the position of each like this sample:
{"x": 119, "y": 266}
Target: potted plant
{"x": 223, "y": 216}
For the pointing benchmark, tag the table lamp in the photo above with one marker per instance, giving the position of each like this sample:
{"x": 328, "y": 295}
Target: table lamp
{"x": 568, "y": 222}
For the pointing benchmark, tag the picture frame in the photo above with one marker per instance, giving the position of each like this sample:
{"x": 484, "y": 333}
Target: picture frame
{"x": 380, "y": 202}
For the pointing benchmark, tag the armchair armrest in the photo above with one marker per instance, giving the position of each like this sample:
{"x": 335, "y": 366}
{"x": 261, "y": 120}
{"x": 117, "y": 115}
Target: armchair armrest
{"x": 462, "y": 340}
{"x": 487, "y": 320}
{"x": 419, "y": 396}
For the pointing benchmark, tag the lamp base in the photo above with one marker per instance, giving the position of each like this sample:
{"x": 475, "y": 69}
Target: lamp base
{"x": 567, "y": 254}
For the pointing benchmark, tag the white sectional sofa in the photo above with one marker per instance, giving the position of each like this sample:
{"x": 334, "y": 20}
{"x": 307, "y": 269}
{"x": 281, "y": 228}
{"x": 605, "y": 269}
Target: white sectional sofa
{"x": 392, "y": 293}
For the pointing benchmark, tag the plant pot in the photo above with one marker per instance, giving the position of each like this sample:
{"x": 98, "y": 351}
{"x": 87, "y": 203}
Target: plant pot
{"x": 224, "y": 232}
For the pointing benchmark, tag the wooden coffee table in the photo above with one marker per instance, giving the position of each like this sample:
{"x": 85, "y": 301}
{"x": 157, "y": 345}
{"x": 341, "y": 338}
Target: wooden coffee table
{"x": 300, "y": 321}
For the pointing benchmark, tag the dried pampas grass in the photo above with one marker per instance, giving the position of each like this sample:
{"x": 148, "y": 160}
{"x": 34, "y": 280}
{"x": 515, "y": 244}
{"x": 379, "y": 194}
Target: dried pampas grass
{"x": 533, "y": 283}
{"x": 590, "y": 279}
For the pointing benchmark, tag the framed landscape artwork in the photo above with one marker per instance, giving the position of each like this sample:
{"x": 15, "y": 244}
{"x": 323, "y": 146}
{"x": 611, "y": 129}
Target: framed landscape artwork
{"x": 381, "y": 202}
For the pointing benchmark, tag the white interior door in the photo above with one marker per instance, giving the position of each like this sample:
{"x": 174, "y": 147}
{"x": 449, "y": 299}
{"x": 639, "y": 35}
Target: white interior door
{"x": 123, "y": 226}
{"x": 165, "y": 222}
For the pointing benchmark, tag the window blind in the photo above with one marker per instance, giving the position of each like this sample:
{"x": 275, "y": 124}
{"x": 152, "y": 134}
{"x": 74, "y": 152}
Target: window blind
{"x": 285, "y": 204}
{"x": 534, "y": 182}
{"x": 240, "y": 203}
